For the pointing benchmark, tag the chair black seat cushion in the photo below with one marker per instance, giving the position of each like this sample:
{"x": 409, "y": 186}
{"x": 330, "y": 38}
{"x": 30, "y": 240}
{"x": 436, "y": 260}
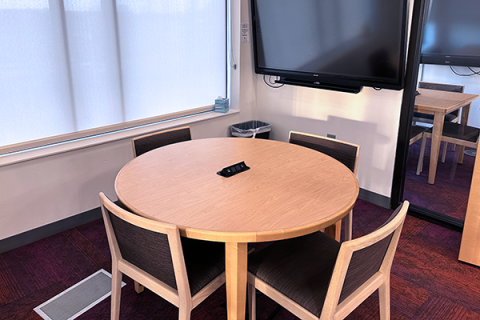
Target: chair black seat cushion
{"x": 459, "y": 131}
{"x": 204, "y": 260}
{"x": 304, "y": 279}
{"x": 416, "y": 130}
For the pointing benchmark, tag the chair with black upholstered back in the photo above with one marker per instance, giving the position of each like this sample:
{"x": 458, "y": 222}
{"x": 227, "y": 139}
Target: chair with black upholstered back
{"x": 316, "y": 277}
{"x": 428, "y": 118}
{"x": 450, "y": 117}
{"x": 345, "y": 152}
{"x": 155, "y": 140}
{"x": 180, "y": 270}
{"x": 416, "y": 133}
{"x": 455, "y": 133}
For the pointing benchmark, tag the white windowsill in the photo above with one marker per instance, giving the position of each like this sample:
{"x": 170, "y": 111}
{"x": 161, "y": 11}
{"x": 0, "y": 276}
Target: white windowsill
{"x": 63, "y": 147}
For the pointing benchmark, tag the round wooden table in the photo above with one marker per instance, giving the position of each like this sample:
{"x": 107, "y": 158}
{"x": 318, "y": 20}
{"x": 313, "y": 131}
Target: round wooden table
{"x": 289, "y": 191}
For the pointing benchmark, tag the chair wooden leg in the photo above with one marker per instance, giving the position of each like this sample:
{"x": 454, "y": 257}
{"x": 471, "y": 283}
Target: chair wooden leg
{"x": 454, "y": 165}
{"x": 334, "y": 230}
{"x": 184, "y": 314}
{"x": 444, "y": 153}
{"x": 116, "y": 293}
{"x": 252, "y": 301}
{"x": 422, "y": 155}
{"x": 384, "y": 298}
{"x": 138, "y": 287}
{"x": 348, "y": 226}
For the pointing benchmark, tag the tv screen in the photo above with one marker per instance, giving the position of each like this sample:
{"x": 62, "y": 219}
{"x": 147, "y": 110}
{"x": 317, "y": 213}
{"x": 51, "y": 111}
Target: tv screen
{"x": 340, "y": 42}
{"x": 451, "y": 34}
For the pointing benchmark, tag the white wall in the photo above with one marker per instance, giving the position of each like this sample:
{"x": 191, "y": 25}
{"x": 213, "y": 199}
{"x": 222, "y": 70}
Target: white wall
{"x": 369, "y": 119}
{"x": 443, "y": 74}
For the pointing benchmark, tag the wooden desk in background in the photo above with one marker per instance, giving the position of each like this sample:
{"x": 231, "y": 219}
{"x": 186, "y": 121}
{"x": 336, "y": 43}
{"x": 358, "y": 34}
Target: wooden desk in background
{"x": 288, "y": 192}
{"x": 440, "y": 103}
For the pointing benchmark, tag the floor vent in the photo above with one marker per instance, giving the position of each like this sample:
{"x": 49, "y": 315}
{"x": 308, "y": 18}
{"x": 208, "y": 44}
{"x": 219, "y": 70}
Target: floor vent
{"x": 77, "y": 299}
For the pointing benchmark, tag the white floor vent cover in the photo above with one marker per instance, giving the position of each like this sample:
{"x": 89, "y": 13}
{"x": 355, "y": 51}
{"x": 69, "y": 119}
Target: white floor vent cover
{"x": 77, "y": 299}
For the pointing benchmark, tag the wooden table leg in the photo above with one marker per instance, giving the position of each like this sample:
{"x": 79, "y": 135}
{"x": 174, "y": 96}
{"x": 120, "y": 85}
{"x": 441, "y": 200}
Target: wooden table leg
{"x": 435, "y": 147}
{"x": 463, "y": 120}
{"x": 236, "y": 255}
{"x": 334, "y": 230}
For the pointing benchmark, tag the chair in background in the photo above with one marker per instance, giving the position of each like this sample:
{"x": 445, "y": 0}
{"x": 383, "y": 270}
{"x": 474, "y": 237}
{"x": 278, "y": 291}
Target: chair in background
{"x": 451, "y": 117}
{"x": 315, "y": 277}
{"x": 416, "y": 133}
{"x": 345, "y": 152}
{"x": 428, "y": 118}
{"x": 455, "y": 133}
{"x": 182, "y": 271}
{"x": 155, "y": 140}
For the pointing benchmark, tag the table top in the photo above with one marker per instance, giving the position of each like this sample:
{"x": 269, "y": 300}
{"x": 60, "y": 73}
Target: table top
{"x": 288, "y": 191}
{"x": 431, "y": 101}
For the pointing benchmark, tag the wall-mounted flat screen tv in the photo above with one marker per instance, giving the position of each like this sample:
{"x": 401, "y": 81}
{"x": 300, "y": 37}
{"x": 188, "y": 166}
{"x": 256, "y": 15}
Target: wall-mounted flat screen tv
{"x": 331, "y": 43}
{"x": 451, "y": 35}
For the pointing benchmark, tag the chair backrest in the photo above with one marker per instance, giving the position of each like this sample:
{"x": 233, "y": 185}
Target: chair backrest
{"x": 345, "y": 152}
{"x": 365, "y": 260}
{"x": 151, "y": 246}
{"x": 155, "y": 140}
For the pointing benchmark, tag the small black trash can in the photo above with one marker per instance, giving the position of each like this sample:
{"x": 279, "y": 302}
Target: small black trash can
{"x": 251, "y": 129}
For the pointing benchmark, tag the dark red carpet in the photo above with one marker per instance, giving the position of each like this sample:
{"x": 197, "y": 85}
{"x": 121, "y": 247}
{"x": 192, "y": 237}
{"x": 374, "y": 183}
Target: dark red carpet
{"x": 427, "y": 280}
{"x": 448, "y": 196}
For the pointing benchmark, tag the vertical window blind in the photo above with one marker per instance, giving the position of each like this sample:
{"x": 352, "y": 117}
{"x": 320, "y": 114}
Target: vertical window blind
{"x": 70, "y": 68}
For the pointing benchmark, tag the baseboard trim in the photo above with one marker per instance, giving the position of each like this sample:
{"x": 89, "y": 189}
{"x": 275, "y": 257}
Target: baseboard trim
{"x": 374, "y": 198}
{"x": 436, "y": 218}
{"x": 48, "y": 230}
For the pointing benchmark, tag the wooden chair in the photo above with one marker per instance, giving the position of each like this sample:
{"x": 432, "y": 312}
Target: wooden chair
{"x": 155, "y": 140}
{"x": 315, "y": 277}
{"x": 455, "y": 133}
{"x": 428, "y": 118}
{"x": 180, "y": 270}
{"x": 416, "y": 133}
{"x": 451, "y": 117}
{"x": 345, "y": 152}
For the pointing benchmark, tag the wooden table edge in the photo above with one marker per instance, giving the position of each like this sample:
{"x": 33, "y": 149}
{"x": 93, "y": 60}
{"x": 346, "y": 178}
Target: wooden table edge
{"x": 256, "y": 236}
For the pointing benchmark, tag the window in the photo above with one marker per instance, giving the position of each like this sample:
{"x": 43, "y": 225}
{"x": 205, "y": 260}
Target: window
{"x": 75, "y": 68}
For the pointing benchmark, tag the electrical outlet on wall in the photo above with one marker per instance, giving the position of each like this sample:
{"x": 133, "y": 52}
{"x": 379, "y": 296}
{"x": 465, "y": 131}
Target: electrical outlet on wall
{"x": 330, "y": 135}
{"x": 244, "y": 34}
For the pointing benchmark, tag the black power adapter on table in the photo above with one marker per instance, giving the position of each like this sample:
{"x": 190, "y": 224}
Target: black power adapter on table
{"x": 233, "y": 169}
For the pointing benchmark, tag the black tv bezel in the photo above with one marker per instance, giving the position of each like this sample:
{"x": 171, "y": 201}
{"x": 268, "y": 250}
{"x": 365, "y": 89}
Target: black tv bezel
{"x": 445, "y": 58}
{"x": 450, "y": 60}
{"x": 330, "y": 81}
